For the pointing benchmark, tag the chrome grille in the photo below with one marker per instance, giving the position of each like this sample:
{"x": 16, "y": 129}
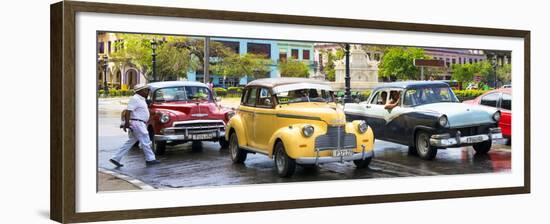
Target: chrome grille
{"x": 198, "y": 127}
{"x": 335, "y": 138}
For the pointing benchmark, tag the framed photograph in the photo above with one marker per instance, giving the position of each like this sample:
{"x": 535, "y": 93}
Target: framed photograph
{"x": 159, "y": 112}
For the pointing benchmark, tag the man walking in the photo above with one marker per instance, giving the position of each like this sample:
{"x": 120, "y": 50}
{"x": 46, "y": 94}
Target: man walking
{"x": 135, "y": 119}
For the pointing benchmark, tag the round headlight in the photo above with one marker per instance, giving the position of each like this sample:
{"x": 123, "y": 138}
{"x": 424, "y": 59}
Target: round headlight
{"x": 164, "y": 118}
{"x": 308, "y": 130}
{"x": 496, "y": 116}
{"x": 362, "y": 127}
{"x": 443, "y": 121}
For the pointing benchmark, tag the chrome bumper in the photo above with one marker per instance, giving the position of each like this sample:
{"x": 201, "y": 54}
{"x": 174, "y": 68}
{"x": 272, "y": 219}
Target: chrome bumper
{"x": 444, "y": 140}
{"x": 329, "y": 159}
{"x": 187, "y": 137}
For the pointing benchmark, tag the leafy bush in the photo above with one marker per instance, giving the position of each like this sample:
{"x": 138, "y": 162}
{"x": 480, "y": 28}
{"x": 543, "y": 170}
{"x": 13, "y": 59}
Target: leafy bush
{"x": 234, "y": 91}
{"x": 468, "y": 94}
{"x": 220, "y": 91}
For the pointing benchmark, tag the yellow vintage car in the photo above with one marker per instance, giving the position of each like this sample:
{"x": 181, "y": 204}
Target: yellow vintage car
{"x": 296, "y": 121}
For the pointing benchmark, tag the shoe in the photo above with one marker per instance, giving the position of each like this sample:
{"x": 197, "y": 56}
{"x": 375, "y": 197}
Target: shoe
{"x": 117, "y": 164}
{"x": 152, "y": 162}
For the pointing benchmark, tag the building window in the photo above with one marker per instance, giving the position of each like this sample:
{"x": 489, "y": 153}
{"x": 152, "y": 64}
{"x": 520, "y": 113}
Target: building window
{"x": 305, "y": 54}
{"x": 232, "y": 45}
{"x": 101, "y": 46}
{"x": 260, "y": 49}
{"x": 454, "y": 61}
{"x": 470, "y": 60}
{"x": 294, "y": 53}
{"x": 109, "y": 47}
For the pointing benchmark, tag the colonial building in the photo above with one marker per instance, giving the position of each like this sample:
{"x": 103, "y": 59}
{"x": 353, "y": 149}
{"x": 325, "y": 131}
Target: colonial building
{"x": 120, "y": 74}
{"x": 276, "y": 51}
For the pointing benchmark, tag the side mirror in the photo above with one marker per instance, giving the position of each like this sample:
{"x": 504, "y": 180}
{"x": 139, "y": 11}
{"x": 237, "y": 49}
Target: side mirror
{"x": 268, "y": 102}
{"x": 218, "y": 99}
{"x": 149, "y": 102}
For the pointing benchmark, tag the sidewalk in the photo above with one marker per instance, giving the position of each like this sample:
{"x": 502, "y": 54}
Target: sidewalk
{"x": 107, "y": 182}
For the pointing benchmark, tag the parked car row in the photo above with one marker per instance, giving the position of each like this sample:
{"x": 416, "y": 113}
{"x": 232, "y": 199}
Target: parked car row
{"x": 297, "y": 122}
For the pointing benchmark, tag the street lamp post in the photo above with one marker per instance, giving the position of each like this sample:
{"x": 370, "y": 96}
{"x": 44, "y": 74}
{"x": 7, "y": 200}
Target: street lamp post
{"x": 105, "y": 65}
{"x": 347, "y": 95}
{"x": 154, "y": 55}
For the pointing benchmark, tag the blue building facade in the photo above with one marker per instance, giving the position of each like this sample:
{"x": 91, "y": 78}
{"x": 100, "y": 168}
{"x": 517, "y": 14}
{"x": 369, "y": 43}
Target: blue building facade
{"x": 276, "y": 50}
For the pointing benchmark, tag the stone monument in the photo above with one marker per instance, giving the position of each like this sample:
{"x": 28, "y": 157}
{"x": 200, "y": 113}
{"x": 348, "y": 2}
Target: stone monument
{"x": 363, "y": 71}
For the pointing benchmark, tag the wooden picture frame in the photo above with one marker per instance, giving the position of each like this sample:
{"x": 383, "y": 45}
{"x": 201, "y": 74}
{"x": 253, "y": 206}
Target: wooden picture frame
{"x": 63, "y": 110}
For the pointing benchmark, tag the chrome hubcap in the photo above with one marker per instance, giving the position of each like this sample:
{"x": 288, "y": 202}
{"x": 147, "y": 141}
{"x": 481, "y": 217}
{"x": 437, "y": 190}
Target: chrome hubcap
{"x": 423, "y": 144}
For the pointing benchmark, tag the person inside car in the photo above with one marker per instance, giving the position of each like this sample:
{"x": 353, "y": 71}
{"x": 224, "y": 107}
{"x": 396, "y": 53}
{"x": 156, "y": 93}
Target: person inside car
{"x": 394, "y": 100}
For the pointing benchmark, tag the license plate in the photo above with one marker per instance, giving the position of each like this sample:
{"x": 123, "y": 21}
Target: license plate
{"x": 474, "y": 139}
{"x": 202, "y": 136}
{"x": 342, "y": 152}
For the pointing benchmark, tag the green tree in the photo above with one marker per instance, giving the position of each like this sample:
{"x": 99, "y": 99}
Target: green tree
{"x": 293, "y": 68}
{"x": 330, "y": 67}
{"x": 134, "y": 49}
{"x": 398, "y": 63}
{"x": 466, "y": 72}
{"x": 504, "y": 73}
{"x": 237, "y": 65}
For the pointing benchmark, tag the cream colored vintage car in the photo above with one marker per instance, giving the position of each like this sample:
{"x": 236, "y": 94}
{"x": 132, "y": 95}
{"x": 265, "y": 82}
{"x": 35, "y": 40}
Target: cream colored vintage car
{"x": 296, "y": 121}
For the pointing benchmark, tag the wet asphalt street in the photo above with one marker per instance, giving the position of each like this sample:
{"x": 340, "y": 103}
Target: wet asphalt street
{"x": 183, "y": 166}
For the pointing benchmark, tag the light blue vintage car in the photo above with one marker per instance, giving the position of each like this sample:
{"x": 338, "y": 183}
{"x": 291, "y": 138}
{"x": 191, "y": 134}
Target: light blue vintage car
{"x": 426, "y": 116}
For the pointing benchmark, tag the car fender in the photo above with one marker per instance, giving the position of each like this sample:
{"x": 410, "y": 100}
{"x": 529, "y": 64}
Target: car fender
{"x": 291, "y": 137}
{"x": 420, "y": 128}
{"x": 236, "y": 124}
{"x": 366, "y": 138}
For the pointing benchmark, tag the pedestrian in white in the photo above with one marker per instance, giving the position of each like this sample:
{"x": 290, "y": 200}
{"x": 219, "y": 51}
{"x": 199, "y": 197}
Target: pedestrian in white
{"x": 135, "y": 119}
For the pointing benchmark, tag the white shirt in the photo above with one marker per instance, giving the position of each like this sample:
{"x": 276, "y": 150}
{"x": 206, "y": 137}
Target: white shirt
{"x": 138, "y": 106}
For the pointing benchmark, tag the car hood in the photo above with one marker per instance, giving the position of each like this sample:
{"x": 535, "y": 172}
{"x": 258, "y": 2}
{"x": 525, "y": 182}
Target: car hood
{"x": 460, "y": 114}
{"x": 199, "y": 109}
{"x": 330, "y": 113}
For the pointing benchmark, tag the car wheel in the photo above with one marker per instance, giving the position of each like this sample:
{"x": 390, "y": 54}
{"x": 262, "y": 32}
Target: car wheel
{"x": 423, "y": 147}
{"x": 158, "y": 147}
{"x": 285, "y": 165}
{"x": 237, "y": 154}
{"x": 412, "y": 151}
{"x": 362, "y": 163}
{"x": 196, "y": 146}
{"x": 223, "y": 143}
{"x": 482, "y": 147}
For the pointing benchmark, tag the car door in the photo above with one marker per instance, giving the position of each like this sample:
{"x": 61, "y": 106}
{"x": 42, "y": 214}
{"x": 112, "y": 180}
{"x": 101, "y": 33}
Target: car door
{"x": 506, "y": 114}
{"x": 247, "y": 110}
{"x": 264, "y": 119}
{"x": 374, "y": 112}
{"x": 395, "y": 127}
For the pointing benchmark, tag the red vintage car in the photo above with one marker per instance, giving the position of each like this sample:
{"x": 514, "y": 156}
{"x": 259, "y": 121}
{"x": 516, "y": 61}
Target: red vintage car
{"x": 502, "y": 100}
{"x": 183, "y": 111}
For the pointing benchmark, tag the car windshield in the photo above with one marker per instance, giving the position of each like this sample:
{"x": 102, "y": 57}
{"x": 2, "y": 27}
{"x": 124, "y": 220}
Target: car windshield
{"x": 305, "y": 95}
{"x": 182, "y": 93}
{"x": 420, "y": 96}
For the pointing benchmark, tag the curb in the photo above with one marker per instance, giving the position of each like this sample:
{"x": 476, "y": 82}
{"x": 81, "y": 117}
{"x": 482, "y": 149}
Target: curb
{"x": 138, "y": 183}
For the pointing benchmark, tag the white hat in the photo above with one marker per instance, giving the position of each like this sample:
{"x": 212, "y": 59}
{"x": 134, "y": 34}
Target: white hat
{"x": 139, "y": 87}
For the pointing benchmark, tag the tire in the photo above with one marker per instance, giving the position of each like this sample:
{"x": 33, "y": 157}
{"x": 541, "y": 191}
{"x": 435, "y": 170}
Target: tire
{"x": 482, "y": 147}
{"x": 237, "y": 154}
{"x": 284, "y": 164}
{"x": 196, "y": 146}
{"x": 223, "y": 143}
{"x": 362, "y": 163}
{"x": 412, "y": 151}
{"x": 158, "y": 147}
{"x": 423, "y": 147}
